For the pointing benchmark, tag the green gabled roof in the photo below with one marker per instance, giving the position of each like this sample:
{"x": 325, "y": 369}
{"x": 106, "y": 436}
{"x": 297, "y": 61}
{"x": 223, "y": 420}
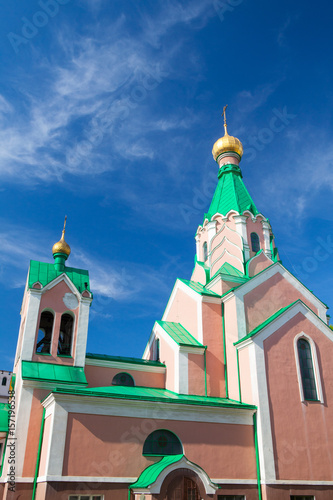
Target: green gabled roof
{"x": 123, "y": 359}
{"x": 179, "y": 334}
{"x": 267, "y": 321}
{"x": 231, "y": 271}
{"x": 49, "y": 372}
{"x": 231, "y": 193}
{"x": 198, "y": 287}
{"x": 4, "y": 409}
{"x": 151, "y": 473}
{"x": 153, "y": 394}
{"x": 45, "y": 272}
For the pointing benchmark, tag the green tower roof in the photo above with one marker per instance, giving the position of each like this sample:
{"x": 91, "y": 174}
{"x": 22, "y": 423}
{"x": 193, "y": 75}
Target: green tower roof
{"x": 45, "y": 273}
{"x": 230, "y": 193}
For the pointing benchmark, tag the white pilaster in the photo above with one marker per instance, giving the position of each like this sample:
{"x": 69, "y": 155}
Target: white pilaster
{"x": 56, "y": 448}
{"x": 183, "y": 372}
{"x": 30, "y": 327}
{"x": 82, "y": 332}
{"x": 241, "y": 229}
{"x": 197, "y": 245}
{"x": 266, "y": 231}
{"x": 211, "y": 231}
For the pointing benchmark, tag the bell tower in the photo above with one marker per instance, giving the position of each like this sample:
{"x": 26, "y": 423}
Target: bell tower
{"x": 55, "y": 311}
{"x": 234, "y": 232}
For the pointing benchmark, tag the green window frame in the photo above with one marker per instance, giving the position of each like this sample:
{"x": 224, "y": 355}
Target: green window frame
{"x": 162, "y": 442}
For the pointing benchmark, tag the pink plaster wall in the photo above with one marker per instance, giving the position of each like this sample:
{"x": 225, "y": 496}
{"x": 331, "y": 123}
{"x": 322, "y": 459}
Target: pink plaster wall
{"x": 245, "y": 375}
{"x": 100, "y": 376}
{"x": 258, "y": 264}
{"x": 199, "y": 274}
{"x": 255, "y": 227}
{"x": 35, "y": 419}
{"x": 222, "y": 450}
{"x": 52, "y": 300}
{"x": 231, "y": 259}
{"x": 196, "y": 374}
{"x": 184, "y": 310}
{"x": 302, "y": 432}
{"x": 267, "y": 298}
{"x": 212, "y": 338}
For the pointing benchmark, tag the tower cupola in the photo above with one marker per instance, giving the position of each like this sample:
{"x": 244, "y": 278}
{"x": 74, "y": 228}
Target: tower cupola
{"x": 61, "y": 251}
{"x": 227, "y": 146}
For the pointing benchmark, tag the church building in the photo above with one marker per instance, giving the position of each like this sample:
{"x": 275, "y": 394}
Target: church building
{"x": 231, "y": 400}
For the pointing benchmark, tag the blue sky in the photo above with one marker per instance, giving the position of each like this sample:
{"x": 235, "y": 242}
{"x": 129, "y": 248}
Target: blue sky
{"x": 108, "y": 113}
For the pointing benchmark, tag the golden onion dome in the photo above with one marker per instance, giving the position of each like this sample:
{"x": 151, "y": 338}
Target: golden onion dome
{"x": 227, "y": 143}
{"x": 61, "y": 246}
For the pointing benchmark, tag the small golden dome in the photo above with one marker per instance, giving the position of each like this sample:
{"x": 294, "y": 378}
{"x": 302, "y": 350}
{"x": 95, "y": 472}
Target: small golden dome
{"x": 61, "y": 246}
{"x": 227, "y": 143}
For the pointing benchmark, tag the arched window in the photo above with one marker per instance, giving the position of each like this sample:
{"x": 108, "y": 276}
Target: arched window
{"x": 205, "y": 252}
{"x": 65, "y": 335}
{"x": 255, "y": 244}
{"x": 45, "y": 333}
{"x": 307, "y": 371}
{"x": 123, "y": 379}
{"x": 4, "y": 381}
{"x": 162, "y": 442}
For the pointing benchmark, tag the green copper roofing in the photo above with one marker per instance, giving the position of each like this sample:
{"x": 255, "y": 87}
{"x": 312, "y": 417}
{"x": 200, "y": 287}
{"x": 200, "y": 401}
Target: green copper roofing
{"x": 4, "y": 408}
{"x": 229, "y": 270}
{"x": 48, "y": 372}
{"x": 151, "y": 473}
{"x": 123, "y": 359}
{"x": 45, "y": 273}
{"x": 153, "y": 394}
{"x": 267, "y": 321}
{"x": 179, "y": 334}
{"x": 230, "y": 193}
{"x": 198, "y": 287}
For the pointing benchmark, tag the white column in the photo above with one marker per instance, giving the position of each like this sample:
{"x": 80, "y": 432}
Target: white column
{"x": 241, "y": 229}
{"x": 183, "y": 372}
{"x": 266, "y": 231}
{"x": 82, "y": 332}
{"x": 30, "y": 327}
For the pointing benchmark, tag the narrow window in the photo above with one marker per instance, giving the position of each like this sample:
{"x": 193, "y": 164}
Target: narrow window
{"x": 162, "y": 442}
{"x": 157, "y": 349}
{"x": 205, "y": 252}
{"x": 255, "y": 244}
{"x": 301, "y": 497}
{"x": 307, "y": 371}
{"x": 123, "y": 379}
{"x": 65, "y": 335}
{"x": 4, "y": 381}
{"x": 45, "y": 333}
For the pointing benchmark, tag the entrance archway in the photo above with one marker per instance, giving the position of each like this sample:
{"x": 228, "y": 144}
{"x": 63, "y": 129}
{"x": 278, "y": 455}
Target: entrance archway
{"x": 183, "y": 488}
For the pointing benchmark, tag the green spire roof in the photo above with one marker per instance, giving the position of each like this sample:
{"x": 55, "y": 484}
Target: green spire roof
{"x": 230, "y": 193}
